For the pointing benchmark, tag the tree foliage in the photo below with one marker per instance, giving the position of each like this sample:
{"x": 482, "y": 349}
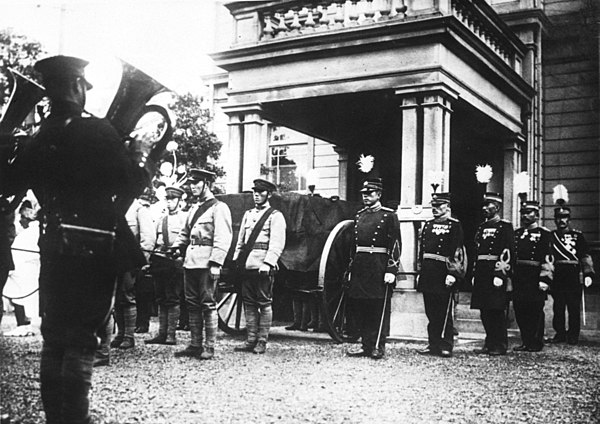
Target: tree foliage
{"x": 18, "y": 52}
{"x": 197, "y": 146}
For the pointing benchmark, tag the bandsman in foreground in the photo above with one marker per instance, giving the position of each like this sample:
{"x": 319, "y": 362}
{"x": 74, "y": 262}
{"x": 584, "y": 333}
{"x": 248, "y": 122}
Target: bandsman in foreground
{"x": 494, "y": 257}
{"x": 204, "y": 242}
{"x": 376, "y": 256}
{"x": 532, "y": 277}
{"x": 442, "y": 264}
{"x": 259, "y": 246}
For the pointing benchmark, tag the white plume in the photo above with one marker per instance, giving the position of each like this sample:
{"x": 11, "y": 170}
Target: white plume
{"x": 365, "y": 163}
{"x": 522, "y": 183}
{"x": 483, "y": 173}
{"x": 560, "y": 194}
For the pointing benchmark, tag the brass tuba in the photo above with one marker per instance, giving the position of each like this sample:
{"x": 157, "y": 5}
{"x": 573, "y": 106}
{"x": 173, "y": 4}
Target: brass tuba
{"x": 25, "y": 95}
{"x": 128, "y": 112}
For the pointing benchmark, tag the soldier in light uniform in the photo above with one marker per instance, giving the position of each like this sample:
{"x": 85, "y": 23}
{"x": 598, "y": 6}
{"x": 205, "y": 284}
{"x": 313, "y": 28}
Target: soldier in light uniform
{"x": 257, "y": 262}
{"x": 168, "y": 280}
{"x": 204, "y": 241}
{"x": 571, "y": 257}
{"x": 441, "y": 244}
{"x": 531, "y": 277}
{"x": 376, "y": 255}
{"x": 494, "y": 253}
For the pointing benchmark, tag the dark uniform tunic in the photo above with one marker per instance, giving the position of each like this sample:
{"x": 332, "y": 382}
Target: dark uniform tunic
{"x": 75, "y": 167}
{"x": 439, "y": 242}
{"x": 571, "y": 256}
{"x": 376, "y": 252}
{"x": 533, "y": 265}
{"x": 494, "y": 257}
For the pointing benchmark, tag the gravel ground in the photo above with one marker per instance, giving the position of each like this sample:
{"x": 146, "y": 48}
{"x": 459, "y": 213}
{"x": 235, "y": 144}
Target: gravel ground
{"x": 309, "y": 380}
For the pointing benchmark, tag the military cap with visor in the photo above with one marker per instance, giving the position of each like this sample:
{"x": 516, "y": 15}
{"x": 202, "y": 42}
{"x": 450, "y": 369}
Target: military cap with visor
{"x": 263, "y": 185}
{"x": 196, "y": 175}
{"x": 440, "y": 198}
{"x": 530, "y": 205}
{"x": 562, "y": 211}
{"x": 492, "y": 197}
{"x": 372, "y": 184}
{"x": 173, "y": 193}
{"x": 60, "y": 67}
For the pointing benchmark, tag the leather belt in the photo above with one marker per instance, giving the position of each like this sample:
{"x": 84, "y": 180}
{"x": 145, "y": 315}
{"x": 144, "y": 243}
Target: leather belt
{"x": 260, "y": 246}
{"x": 434, "y": 256}
{"x": 528, "y": 262}
{"x": 201, "y": 242}
{"x": 566, "y": 262}
{"x": 371, "y": 249}
{"x": 488, "y": 257}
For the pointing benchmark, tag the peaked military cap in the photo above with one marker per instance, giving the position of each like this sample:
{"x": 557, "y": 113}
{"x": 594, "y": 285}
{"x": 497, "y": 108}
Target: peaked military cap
{"x": 263, "y": 185}
{"x": 148, "y": 195}
{"x": 562, "y": 211}
{"x": 62, "y": 66}
{"x": 530, "y": 205}
{"x": 492, "y": 197}
{"x": 440, "y": 198}
{"x": 372, "y": 184}
{"x": 195, "y": 175}
{"x": 173, "y": 193}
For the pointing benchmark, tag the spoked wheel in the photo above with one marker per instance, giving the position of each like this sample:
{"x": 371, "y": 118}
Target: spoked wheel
{"x": 231, "y": 311}
{"x": 334, "y": 266}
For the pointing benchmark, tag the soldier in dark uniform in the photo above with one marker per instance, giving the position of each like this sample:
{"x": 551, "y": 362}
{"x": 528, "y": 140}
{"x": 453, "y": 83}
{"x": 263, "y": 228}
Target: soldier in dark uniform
{"x": 76, "y": 167}
{"x": 376, "y": 255}
{"x": 531, "y": 277}
{"x": 494, "y": 253}
{"x": 571, "y": 257}
{"x": 441, "y": 244}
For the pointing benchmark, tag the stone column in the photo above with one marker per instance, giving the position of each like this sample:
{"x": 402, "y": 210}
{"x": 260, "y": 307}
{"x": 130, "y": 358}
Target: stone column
{"x": 254, "y": 148}
{"x": 233, "y": 160}
{"x": 512, "y": 166}
{"x": 436, "y": 142}
{"x": 342, "y": 172}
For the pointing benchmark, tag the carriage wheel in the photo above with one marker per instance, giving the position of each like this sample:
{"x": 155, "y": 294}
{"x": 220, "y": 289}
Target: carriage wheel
{"x": 335, "y": 261}
{"x": 231, "y": 311}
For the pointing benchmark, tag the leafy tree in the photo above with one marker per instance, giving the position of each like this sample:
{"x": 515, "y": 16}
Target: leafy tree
{"x": 197, "y": 146}
{"x": 18, "y": 52}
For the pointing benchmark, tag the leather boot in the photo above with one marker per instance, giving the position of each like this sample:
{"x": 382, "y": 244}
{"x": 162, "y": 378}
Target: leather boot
{"x": 172, "y": 317}
{"x": 314, "y": 314}
{"x": 251, "y": 312}
{"x": 305, "y": 316}
{"x": 264, "y": 326}
{"x": 194, "y": 349}
{"x": 297, "y": 311}
{"x": 210, "y": 326}
{"x": 161, "y": 337}
{"x": 102, "y": 356}
{"x": 120, "y": 321}
{"x": 129, "y": 314}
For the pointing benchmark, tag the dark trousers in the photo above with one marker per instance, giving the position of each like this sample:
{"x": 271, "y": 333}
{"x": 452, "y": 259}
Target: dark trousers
{"x": 144, "y": 299}
{"x": 66, "y": 378}
{"x": 571, "y": 301}
{"x": 168, "y": 288}
{"x": 200, "y": 289}
{"x": 496, "y": 336}
{"x": 530, "y": 318}
{"x": 368, "y": 314}
{"x": 257, "y": 289}
{"x": 439, "y": 313}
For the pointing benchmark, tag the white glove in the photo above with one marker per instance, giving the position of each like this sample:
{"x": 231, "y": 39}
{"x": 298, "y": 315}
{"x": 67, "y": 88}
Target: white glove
{"x": 587, "y": 281}
{"x": 498, "y": 282}
{"x": 389, "y": 278}
{"x": 215, "y": 271}
{"x": 450, "y": 280}
{"x": 264, "y": 269}
{"x": 543, "y": 286}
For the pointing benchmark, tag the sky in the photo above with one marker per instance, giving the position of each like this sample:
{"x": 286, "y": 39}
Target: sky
{"x": 167, "y": 39}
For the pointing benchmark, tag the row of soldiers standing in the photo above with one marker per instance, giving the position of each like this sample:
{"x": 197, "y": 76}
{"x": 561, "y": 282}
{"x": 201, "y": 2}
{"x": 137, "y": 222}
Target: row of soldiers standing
{"x": 522, "y": 264}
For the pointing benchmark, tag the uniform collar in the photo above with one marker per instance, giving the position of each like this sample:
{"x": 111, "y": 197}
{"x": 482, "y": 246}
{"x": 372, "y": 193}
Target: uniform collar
{"x": 374, "y": 208}
{"x": 262, "y": 207}
{"x": 61, "y": 108}
{"x": 496, "y": 218}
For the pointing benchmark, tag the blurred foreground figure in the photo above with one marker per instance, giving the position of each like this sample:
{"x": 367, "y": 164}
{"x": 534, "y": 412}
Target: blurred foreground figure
{"x": 76, "y": 168}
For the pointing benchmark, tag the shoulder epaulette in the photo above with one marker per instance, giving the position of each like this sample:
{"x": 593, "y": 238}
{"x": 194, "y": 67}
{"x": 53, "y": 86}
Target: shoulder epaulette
{"x": 453, "y": 219}
{"x": 362, "y": 210}
{"x": 505, "y": 221}
{"x": 544, "y": 228}
{"x": 383, "y": 208}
